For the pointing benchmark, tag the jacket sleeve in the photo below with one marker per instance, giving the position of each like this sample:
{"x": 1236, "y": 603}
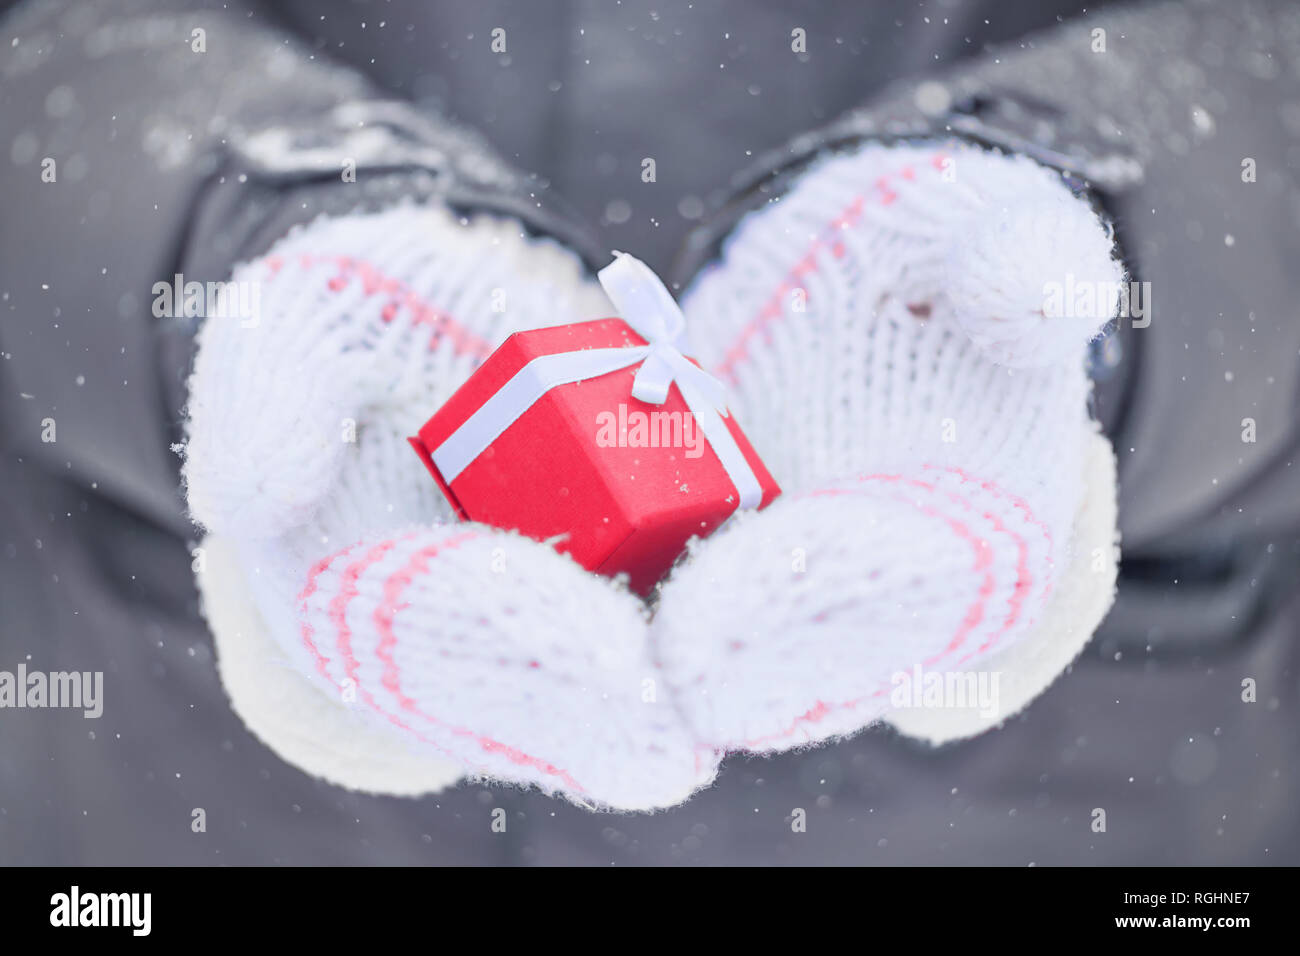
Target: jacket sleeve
{"x": 173, "y": 140}
{"x": 1193, "y": 164}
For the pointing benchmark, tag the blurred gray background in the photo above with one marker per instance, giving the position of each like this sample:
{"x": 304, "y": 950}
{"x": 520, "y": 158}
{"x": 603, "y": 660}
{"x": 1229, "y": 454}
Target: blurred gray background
{"x": 94, "y": 563}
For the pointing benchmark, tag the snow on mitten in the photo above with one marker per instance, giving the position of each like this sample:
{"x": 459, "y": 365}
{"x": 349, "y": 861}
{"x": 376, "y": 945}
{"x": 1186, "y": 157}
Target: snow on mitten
{"x": 361, "y": 631}
{"x": 888, "y": 330}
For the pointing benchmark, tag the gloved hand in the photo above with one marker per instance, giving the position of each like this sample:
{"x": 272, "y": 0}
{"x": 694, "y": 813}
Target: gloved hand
{"x": 948, "y": 503}
{"x": 435, "y": 649}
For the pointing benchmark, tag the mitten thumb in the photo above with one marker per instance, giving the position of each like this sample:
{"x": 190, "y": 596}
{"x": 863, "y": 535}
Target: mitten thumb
{"x": 1031, "y": 273}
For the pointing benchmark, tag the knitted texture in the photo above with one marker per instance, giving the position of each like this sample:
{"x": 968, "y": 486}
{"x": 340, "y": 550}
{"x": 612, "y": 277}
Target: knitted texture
{"x": 881, "y": 328}
{"x": 1076, "y": 606}
{"x": 930, "y": 490}
{"x": 468, "y": 643}
{"x": 307, "y": 728}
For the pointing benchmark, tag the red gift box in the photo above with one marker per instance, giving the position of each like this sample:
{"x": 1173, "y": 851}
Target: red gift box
{"x": 618, "y": 483}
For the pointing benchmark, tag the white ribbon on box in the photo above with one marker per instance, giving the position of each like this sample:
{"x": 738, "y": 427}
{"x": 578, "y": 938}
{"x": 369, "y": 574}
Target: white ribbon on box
{"x": 649, "y": 308}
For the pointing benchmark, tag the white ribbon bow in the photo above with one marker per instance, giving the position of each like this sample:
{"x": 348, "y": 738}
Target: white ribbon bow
{"x": 648, "y": 307}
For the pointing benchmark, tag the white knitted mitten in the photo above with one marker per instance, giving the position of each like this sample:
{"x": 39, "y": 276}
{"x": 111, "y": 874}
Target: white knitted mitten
{"x": 445, "y": 647}
{"x": 883, "y": 328}
{"x": 948, "y": 504}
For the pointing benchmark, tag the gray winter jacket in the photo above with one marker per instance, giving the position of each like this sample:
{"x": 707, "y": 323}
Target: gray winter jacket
{"x": 182, "y": 137}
